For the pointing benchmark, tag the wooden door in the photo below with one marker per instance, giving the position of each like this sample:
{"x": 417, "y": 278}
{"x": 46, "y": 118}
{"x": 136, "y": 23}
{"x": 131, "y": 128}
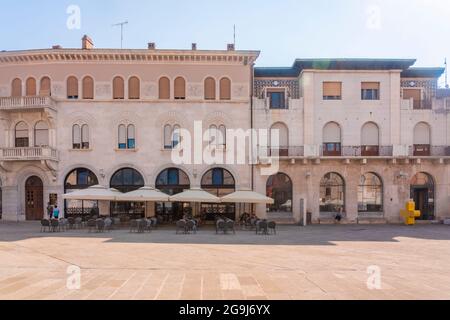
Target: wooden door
{"x": 34, "y": 199}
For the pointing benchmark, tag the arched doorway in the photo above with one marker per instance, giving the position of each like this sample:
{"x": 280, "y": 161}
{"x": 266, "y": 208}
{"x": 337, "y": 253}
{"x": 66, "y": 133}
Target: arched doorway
{"x": 218, "y": 182}
{"x": 279, "y": 187}
{"x": 332, "y": 194}
{"x": 127, "y": 180}
{"x": 34, "y": 199}
{"x": 172, "y": 181}
{"x": 80, "y": 179}
{"x": 423, "y": 194}
{"x": 370, "y": 194}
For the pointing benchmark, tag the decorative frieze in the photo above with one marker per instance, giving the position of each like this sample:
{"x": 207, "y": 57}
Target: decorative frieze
{"x": 292, "y": 85}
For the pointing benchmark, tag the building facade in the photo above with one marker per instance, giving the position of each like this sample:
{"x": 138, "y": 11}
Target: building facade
{"x": 359, "y": 137}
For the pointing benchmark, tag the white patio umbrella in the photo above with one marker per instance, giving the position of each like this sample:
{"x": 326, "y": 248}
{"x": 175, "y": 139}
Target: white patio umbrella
{"x": 195, "y": 196}
{"x": 94, "y": 193}
{"x": 247, "y": 196}
{"x": 145, "y": 194}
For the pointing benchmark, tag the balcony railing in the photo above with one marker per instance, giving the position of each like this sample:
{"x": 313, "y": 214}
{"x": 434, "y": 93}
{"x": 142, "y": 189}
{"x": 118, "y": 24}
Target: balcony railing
{"x": 282, "y": 152}
{"x": 425, "y": 150}
{"x": 26, "y": 103}
{"x": 420, "y": 104}
{"x": 357, "y": 151}
{"x": 28, "y": 154}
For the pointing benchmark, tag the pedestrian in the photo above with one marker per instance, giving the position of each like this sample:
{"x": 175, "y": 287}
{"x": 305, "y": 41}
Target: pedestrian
{"x": 50, "y": 211}
{"x": 56, "y": 213}
{"x": 339, "y": 215}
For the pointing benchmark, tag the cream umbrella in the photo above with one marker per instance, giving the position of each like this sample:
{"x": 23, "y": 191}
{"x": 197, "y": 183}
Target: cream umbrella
{"x": 247, "y": 196}
{"x": 145, "y": 194}
{"x": 94, "y": 193}
{"x": 195, "y": 196}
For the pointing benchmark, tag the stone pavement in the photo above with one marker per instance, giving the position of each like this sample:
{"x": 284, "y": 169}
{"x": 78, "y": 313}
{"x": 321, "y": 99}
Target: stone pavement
{"x": 318, "y": 262}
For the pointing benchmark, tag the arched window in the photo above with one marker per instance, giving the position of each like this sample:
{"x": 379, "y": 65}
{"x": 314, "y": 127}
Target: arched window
{"x": 222, "y": 139}
{"x": 279, "y": 140}
{"x": 172, "y": 181}
{"x": 22, "y": 139}
{"x": 332, "y": 140}
{"x": 16, "y": 88}
{"x": 45, "y": 90}
{"x": 118, "y": 88}
{"x": 72, "y": 88}
{"x": 31, "y": 87}
{"x": 41, "y": 138}
{"x": 88, "y": 88}
{"x": 127, "y": 137}
{"x": 164, "y": 88}
{"x": 213, "y": 135}
{"x": 279, "y": 188}
{"x": 370, "y": 140}
{"x": 127, "y": 180}
{"x": 332, "y": 193}
{"x": 423, "y": 194}
{"x": 219, "y": 182}
{"x": 80, "y": 179}
{"x": 76, "y": 136}
{"x": 85, "y": 137}
{"x": 180, "y": 88}
{"x": 134, "y": 88}
{"x": 422, "y": 140}
{"x": 210, "y": 89}
{"x": 225, "y": 89}
{"x": 370, "y": 194}
{"x": 172, "y": 136}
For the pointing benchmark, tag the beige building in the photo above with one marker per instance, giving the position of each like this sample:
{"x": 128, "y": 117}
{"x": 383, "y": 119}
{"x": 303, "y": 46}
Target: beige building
{"x": 359, "y": 137}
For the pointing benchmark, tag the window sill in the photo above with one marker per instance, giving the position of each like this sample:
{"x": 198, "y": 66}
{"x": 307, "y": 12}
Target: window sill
{"x": 126, "y": 150}
{"x": 81, "y": 150}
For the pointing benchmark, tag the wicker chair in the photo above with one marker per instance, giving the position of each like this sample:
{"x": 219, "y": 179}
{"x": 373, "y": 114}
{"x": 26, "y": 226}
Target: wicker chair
{"x": 230, "y": 226}
{"x": 71, "y": 222}
{"x": 191, "y": 227}
{"x": 272, "y": 227}
{"x": 64, "y": 224}
{"x": 91, "y": 224}
{"x": 45, "y": 224}
{"x": 142, "y": 226}
{"x": 220, "y": 226}
{"x": 261, "y": 227}
{"x": 133, "y": 226}
{"x": 181, "y": 225}
{"x": 108, "y": 224}
{"x": 100, "y": 223}
{"x": 79, "y": 223}
{"x": 55, "y": 225}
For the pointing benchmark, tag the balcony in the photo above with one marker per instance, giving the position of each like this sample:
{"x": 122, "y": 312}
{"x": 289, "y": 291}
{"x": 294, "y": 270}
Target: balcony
{"x": 28, "y": 154}
{"x": 336, "y": 150}
{"x": 26, "y": 103}
{"x": 282, "y": 152}
{"x": 426, "y": 150}
{"x": 418, "y": 104}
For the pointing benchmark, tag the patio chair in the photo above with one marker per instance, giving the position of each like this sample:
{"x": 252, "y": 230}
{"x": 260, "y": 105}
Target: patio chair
{"x": 63, "y": 224}
{"x": 149, "y": 225}
{"x": 133, "y": 226}
{"x": 220, "y": 226}
{"x": 261, "y": 227}
{"x": 79, "y": 223}
{"x": 272, "y": 226}
{"x": 116, "y": 222}
{"x": 91, "y": 224}
{"x": 71, "y": 222}
{"x": 108, "y": 224}
{"x": 55, "y": 225}
{"x": 142, "y": 226}
{"x": 154, "y": 222}
{"x": 100, "y": 223}
{"x": 45, "y": 224}
{"x": 191, "y": 227}
{"x": 230, "y": 226}
{"x": 181, "y": 225}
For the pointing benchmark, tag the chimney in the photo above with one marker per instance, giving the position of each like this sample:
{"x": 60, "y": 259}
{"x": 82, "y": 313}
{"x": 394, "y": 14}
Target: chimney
{"x": 194, "y": 46}
{"x": 230, "y": 47}
{"x": 151, "y": 46}
{"x": 87, "y": 43}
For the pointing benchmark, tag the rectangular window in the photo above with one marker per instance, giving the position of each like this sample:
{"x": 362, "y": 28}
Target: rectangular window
{"x": 332, "y": 91}
{"x": 370, "y": 91}
{"x": 277, "y": 99}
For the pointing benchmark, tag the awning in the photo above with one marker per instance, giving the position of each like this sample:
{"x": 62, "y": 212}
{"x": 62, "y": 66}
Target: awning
{"x": 94, "y": 193}
{"x": 195, "y": 195}
{"x": 145, "y": 194}
{"x": 247, "y": 197}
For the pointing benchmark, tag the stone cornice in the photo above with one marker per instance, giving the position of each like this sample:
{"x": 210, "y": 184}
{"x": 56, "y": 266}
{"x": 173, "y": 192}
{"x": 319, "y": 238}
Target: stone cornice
{"x": 128, "y": 56}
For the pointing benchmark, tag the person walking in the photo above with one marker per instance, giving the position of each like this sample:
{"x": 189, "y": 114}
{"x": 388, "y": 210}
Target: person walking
{"x": 56, "y": 213}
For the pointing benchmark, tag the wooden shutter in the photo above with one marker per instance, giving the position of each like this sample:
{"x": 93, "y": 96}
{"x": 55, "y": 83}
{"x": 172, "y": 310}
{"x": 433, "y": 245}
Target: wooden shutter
{"x": 168, "y": 136}
{"x": 332, "y": 89}
{"x": 118, "y": 88}
{"x": 76, "y": 134}
{"x": 210, "y": 89}
{"x": 370, "y": 86}
{"x": 45, "y": 87}
{"x": 225, "y": 89}
{"x": 31, "y": 87}
{"x": 85, "y": 133}
{"x": 164, "y": 88}
{"x": 332, "y": 133}
{"x": 180, "y": 88}
{"x": 41, "y": 134}
{"x": 16, "y": 89}
{"x": 72, "y": 87}
{"x": 122, "y": 134}
{"x": 134, "y": 88}
{"x": 422, "y": 134}
{"x": 370, "y": 135}
{"x": 88, "y": 88}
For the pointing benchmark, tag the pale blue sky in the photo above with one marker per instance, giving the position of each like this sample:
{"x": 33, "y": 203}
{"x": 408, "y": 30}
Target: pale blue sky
{"x": 283, "y": 30}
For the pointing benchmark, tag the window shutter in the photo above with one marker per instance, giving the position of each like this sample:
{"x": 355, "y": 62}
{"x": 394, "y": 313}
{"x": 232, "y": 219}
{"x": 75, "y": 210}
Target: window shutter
{"x": 31, "y": 87}
{"x": 180, "y": 88}
{"x": 134, "y": 88}
{"x": 16, "y": 90}
{"x": 225, "y": 89}
{"x": 332, "y": 133}
{"x": 22, "y": 130}
{"x": 122, "y": 134}
{"x": 210, "y": 89}
{"x": 167, "y": 136}
{"x": 45, "y": 87}
{"x": 131, "y": 132}
{"x": 88, "y": 88}
{"x": 118, "y": 88}
{"x": 370, "y": 86}
{"x": 370, "y": 135}
{"x": 76, "y": 134}
{"x": 164, "y": 88}
{"x": 85, "y": 133}
{"x": 222, "y": 135}
{"x": 72, "y": 87}
{"x": 332, "y": 89}
{"x": 422, "y": 134}
{"x": 41, "y": 134}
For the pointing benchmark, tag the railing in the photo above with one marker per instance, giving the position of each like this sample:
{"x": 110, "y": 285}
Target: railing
{"x": 282, "y": 152}
{"x": 359, "y": 151}
{"x": 14, "y": 103}
{"x": 27, "y": 154}
{"x": 425, "y": 150}
{"x": 420, "y": 104}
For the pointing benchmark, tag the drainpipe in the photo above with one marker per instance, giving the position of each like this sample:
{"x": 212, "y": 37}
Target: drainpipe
{"x": 252, "y": 77}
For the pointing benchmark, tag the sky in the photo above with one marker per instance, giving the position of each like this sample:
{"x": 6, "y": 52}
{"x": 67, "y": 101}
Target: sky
{"x": 282, "y": 30}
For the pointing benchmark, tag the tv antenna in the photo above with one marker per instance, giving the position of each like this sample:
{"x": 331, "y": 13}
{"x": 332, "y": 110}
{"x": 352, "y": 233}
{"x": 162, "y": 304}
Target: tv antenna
{"x": 446, "y": 73}
{"x": 234, "y": 35}
{"x": 121, "y": 25}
